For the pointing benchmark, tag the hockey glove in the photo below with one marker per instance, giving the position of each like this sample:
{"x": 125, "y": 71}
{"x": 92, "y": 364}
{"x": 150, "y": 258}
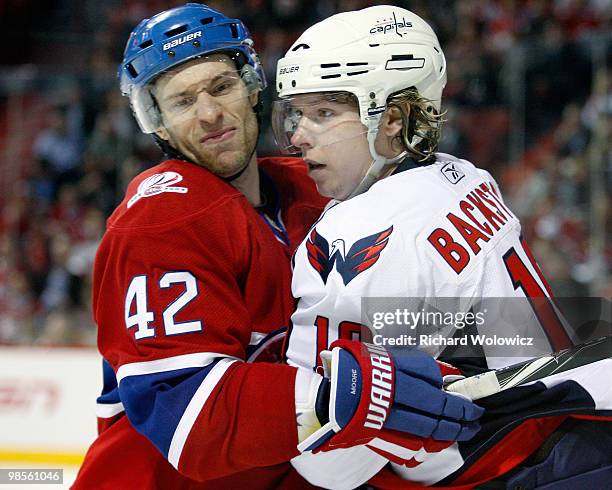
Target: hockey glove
{"x": 368, "y": 393}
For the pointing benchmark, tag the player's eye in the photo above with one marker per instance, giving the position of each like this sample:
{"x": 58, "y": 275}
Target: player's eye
{"x": 181, "y": 103}
{"x": 322, "y": 115}
{"x": 325, "y": 113}
{"x": 223, "y": 87}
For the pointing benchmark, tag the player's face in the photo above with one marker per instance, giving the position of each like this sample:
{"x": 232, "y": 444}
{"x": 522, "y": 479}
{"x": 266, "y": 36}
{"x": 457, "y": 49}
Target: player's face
{"x": 333, "y": 144}
{"x": 207, "y": 114}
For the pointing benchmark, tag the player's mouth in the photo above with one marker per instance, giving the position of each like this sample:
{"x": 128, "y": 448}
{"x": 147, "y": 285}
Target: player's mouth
{"x": 314, "y": 167}
{"x": 218, "y": 136}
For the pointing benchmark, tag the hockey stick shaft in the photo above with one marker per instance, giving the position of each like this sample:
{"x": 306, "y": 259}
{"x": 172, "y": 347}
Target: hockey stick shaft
{"x": 491, "y": 382}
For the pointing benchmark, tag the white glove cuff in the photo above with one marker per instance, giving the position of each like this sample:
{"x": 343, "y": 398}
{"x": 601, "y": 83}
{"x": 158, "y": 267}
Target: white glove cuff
{"x": 306, "y": 389}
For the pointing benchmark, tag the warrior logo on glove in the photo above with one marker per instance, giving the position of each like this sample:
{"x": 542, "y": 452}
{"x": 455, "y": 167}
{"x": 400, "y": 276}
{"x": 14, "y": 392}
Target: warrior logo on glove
{"x": 381, "y": 393}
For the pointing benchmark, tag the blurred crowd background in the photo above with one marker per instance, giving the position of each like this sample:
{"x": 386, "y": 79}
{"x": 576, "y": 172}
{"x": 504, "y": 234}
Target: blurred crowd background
{"x": 528, "y": 97}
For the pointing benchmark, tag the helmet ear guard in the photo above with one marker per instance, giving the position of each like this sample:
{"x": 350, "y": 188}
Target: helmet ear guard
{"x": 146, "y": 110}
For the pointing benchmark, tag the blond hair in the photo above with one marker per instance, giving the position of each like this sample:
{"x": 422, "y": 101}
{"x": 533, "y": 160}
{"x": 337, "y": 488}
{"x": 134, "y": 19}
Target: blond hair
{"x": 420, "y": 119}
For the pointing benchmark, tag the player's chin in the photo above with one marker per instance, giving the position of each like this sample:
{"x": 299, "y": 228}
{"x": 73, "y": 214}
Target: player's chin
{"x": 229, "y": 163}
{"x": 327, "y": 189}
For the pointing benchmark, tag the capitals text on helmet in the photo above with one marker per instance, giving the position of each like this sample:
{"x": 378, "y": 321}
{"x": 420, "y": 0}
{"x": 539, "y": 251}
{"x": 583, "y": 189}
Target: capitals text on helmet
{"x": 386, "y": 25}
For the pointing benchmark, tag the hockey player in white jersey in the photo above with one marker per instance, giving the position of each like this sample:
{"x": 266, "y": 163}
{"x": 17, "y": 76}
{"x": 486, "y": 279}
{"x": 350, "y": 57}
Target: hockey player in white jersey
{"x": 360, "y": 99}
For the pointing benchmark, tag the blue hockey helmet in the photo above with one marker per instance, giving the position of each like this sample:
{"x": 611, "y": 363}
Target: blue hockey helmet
{"x": 173, "y": 37}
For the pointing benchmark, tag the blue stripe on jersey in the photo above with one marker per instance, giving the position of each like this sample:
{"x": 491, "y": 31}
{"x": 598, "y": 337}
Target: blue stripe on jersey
{"x": 110, "y": 391}
{"x": 155, "y": 403}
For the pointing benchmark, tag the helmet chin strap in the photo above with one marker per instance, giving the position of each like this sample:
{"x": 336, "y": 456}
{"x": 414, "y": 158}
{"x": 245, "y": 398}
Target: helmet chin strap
{"x": 379, "y": 162}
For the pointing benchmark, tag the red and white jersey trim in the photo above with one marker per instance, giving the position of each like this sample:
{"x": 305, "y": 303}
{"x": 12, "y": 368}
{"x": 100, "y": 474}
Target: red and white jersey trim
{"x": 197, "y": 359}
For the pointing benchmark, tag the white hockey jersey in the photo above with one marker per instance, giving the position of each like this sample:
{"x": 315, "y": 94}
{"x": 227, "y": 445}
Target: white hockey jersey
{"x": 425, "y": 232}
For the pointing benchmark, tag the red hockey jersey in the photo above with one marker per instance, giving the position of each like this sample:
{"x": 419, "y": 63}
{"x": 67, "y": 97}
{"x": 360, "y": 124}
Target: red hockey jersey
{"x": 190, "y": 282}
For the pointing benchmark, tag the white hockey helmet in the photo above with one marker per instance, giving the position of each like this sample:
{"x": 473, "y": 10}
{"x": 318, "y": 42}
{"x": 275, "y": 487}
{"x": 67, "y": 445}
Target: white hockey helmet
{"x": 371, "y": 53}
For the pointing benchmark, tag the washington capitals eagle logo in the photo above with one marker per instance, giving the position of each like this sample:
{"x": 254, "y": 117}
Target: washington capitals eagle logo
{"x": 362, "y": 255}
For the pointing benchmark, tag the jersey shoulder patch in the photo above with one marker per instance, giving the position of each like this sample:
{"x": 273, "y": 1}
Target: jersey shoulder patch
{"x": 171, "y": 191}
{"x": 157, "y": 184}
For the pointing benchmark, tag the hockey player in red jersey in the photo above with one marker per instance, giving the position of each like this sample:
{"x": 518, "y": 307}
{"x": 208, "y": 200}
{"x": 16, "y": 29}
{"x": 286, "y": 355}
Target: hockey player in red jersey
{"x": 360, "y": 100}
{"x": 192, "y": 276}
{"x": 192, "y": 285}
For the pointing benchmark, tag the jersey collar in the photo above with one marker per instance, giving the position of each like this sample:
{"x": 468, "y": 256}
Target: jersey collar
{"x": 410, "y": 163}
{"x": 270, "y": 210}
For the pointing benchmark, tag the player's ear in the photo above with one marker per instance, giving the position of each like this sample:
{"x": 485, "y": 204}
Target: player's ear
{"x": 163, "y": 133}
{"x": 253, "y": 98}
{"x": 392, "y": 121}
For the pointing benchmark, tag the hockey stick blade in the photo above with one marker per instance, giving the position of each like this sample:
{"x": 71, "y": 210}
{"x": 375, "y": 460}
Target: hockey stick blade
{"x": 491, "y": 382}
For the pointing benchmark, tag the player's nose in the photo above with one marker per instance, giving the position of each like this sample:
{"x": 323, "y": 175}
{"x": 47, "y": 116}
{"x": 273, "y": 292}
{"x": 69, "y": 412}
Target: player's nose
{"x": 208, "y": 110}
{"x": 302, "y": 138}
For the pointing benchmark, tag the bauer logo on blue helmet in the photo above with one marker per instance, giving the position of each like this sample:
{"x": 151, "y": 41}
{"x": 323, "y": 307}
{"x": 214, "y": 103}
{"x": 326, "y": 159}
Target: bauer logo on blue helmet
{"x": 182, "y": 40}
